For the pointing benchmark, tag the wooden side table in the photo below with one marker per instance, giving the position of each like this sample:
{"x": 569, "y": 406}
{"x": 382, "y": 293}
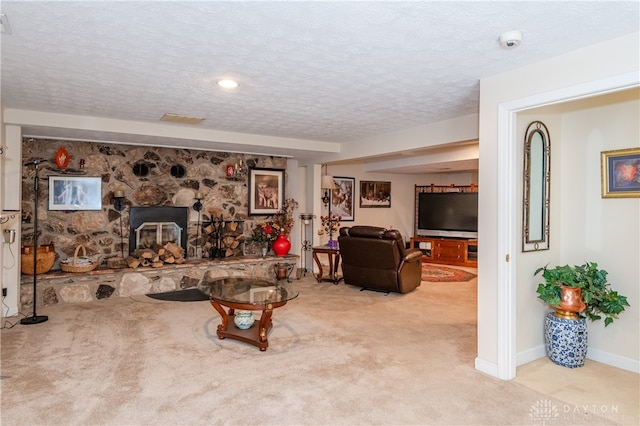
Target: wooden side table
{"x": 334, "y": 263}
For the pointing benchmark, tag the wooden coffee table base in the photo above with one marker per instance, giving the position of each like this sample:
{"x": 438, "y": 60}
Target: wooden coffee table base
{"x": 255, "y": 335}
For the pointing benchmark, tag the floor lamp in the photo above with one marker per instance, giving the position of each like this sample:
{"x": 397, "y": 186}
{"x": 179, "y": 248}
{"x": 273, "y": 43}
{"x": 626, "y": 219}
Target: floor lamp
{"x": 35, "y": 319}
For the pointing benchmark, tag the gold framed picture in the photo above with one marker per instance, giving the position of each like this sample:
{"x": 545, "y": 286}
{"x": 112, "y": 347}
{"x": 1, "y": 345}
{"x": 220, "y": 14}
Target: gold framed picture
{"x": 620, "y": 173}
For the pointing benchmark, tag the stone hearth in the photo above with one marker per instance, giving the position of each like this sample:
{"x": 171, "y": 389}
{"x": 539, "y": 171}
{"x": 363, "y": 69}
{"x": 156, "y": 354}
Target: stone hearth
{"x": 67, "y": 287}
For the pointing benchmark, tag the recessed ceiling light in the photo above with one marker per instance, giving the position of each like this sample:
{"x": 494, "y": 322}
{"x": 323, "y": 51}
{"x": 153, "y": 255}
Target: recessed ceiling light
{"x": 227, "y": 83}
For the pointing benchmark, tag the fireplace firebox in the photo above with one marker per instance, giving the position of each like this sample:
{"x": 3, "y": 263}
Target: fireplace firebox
{"x": 156, "y": 226}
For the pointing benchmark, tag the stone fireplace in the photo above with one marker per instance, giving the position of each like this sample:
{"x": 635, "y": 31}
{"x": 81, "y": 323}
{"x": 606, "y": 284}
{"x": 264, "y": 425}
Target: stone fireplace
{"x": 147, "y": 178}
{"x": 155, "y": 226}
{"x": 146, "y": 175}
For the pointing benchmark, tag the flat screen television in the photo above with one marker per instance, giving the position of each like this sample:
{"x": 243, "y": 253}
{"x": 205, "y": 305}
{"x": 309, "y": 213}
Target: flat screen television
{"x": 448, "y": 214}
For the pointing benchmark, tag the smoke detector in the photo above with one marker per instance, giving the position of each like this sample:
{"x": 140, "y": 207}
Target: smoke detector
{"x": 510, "y": 39}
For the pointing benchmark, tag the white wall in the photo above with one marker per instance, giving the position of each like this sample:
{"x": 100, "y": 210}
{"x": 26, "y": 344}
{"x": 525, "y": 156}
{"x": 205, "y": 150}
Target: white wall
{"x": 529, "y": 309}
{"x": 294, "y": 188}
{"x": 10, "y": 188}
{"x": 584, "y": 226}
{"x": 555, "y": 80}
{"x": 606, "y": 231}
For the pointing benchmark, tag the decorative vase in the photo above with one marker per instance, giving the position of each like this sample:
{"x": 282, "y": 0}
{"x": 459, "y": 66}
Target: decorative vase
{"x": 570, "y": 303}
{"x": 243, "y": 319}
{"x": 281, "y": 245}
{"x": 264, "y": 250}
{"x": 565, "y": 340}
{"x": 333, "y": 244}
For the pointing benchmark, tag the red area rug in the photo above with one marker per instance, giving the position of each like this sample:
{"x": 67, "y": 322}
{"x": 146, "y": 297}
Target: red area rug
{"x": 437, "y": 273}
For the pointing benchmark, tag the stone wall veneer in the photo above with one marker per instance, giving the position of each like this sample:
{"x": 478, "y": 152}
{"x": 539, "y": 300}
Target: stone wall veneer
{"x": 99, "y": 231}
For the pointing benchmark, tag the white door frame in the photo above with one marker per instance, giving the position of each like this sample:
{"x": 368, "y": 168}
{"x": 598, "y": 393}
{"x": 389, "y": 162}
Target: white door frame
{"x": 507, "y": 219}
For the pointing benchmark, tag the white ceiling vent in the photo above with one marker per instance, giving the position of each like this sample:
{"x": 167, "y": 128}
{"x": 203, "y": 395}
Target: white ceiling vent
{"x": 175, "y": 118}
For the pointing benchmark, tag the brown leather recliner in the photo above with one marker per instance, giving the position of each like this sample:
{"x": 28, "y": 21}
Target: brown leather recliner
{"x": 377, "y": 259}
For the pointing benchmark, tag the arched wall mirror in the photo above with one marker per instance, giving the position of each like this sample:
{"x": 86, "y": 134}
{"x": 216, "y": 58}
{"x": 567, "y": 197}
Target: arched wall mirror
{"x": 537, "y": 185}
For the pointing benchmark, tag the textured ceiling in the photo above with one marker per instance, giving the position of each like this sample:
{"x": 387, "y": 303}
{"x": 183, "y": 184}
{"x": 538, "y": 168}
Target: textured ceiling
{"x": 320, "y": 71}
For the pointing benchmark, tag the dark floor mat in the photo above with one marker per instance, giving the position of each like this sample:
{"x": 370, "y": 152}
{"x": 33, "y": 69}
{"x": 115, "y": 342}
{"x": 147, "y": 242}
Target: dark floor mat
{"x": 188, "y": 295}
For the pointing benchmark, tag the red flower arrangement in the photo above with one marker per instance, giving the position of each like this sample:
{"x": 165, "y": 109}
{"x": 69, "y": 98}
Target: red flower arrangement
{"x": 264, "y": 233}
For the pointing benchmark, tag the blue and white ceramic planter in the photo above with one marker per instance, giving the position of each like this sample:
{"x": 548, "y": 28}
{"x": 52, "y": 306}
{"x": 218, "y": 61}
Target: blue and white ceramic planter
{"x": 565, "y": 340}
{"x": 243, "y": 319}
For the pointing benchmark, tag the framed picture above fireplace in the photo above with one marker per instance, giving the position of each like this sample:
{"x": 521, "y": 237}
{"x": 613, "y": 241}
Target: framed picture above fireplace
{"x": 266, "y": 191}
{"x": 75, "y": 193}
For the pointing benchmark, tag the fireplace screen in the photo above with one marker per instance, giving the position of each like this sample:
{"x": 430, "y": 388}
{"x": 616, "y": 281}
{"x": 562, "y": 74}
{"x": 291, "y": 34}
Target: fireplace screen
{"x": 152, "y": 234}
{"x": 157, "y": 225}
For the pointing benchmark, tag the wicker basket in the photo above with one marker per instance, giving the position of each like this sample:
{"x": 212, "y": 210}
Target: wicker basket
{"x": 71, "y": 265}
{"x": 45, "y": 257}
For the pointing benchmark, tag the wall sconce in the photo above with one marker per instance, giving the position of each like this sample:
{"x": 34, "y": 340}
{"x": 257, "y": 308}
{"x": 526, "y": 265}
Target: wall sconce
{"x": 119, "y": 204}
{"x": 237, "y": 171}
{"x": 197, "y": 206}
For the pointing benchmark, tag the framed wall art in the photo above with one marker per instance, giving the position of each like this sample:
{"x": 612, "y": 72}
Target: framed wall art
{"x": 620, "y": 173}
{"x": 342, "y": 197}
{"x": 75, "y": 193}
{"x": 375, "y": 194}
{"x": 266, "y": 191}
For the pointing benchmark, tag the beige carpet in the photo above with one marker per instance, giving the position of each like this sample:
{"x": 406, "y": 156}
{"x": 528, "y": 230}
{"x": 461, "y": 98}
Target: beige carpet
{"x": 337, "y": 356}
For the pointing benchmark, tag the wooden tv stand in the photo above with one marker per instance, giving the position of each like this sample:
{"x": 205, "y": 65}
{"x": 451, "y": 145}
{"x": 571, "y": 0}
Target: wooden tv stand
{"x": 450, "y": 251}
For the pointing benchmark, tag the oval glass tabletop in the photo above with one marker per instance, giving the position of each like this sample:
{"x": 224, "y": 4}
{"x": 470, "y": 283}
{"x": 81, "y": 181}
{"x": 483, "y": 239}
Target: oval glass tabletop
{"x": 251, "y": 291}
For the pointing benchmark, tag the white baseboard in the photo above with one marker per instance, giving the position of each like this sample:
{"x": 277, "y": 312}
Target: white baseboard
{"x": 486, "y": 367}
{"x": 614, "y": 360}
{"x": 530, "y": 355}
{"x": 597, "y": 355}
{"x": 9, "y": 312}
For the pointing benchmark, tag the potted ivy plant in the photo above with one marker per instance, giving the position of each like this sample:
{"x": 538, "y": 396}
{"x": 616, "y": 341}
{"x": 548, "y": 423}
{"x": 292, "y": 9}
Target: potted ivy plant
{"x": 576, "y": 293}
{"x": 598, "y": 296}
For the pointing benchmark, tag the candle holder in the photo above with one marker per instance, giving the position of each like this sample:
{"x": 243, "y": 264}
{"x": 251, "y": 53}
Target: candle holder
{"x": 307, "y": 222}
{"x": 119, "y": 204}
{"x": 237, "y": 171}
{"x": 197, "y": 206}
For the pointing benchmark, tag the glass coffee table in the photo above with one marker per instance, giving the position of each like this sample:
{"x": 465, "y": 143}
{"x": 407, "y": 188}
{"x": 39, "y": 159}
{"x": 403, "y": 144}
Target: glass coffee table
{"x": 247, "y": 294}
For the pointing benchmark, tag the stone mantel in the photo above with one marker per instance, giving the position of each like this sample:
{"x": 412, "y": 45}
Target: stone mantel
{"x": 68, "y": 287}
